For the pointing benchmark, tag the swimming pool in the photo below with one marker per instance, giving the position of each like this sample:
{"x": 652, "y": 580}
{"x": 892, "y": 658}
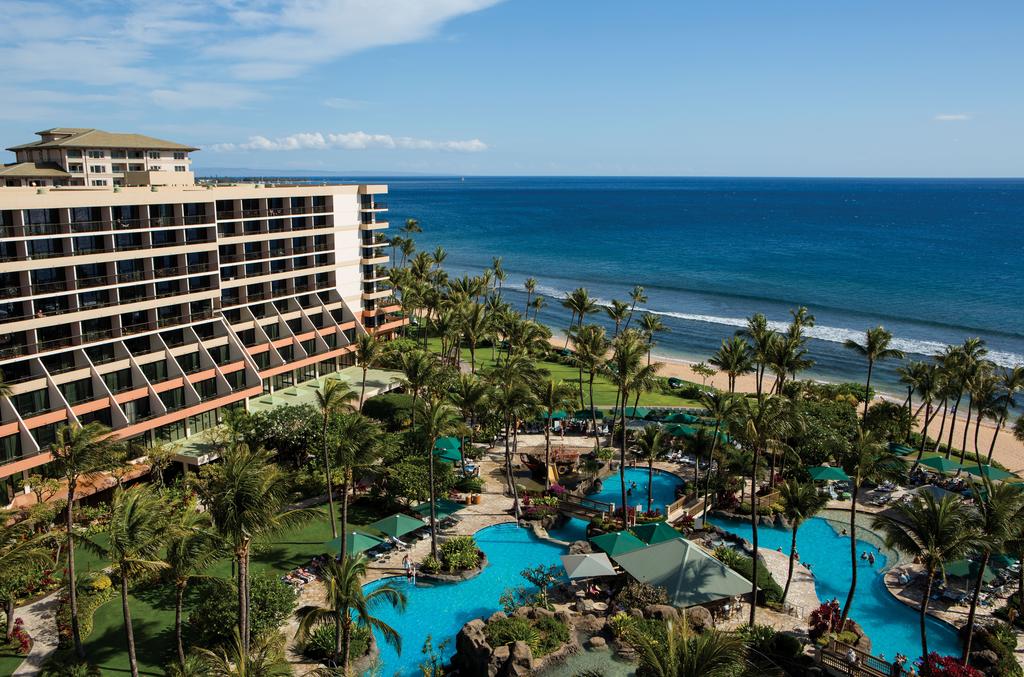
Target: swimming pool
{"x": 440, "y": 610}
{"x": 891, "y": 625}
{"x": 664, "y": 492}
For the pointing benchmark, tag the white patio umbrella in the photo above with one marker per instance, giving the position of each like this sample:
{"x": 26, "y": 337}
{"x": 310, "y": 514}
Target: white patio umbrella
{"x": 588, "y": 566}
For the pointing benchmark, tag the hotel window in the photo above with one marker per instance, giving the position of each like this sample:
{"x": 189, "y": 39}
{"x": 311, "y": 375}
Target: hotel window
{"x": 170, "y": 432}
{"x": 41, "y": 249}
{"x": 99, "y": 182}
{"x": 93, "y": 299}
{"x": 97, "y": 169}
{"x": 77, "y": 391}
{"x": 101, "y": 354}
{"x": 97, "y": 154}
{"x": 119, "y": 154}
{"x": 179, "y": 168}
{"x": 75, "y": 168}
{"x": 136, "y": 168}
{"x": 124, "y": 215}
{"x": 89, "y": 244}
{"x": 118, "y": 381}
{"x": 128, "y": 241}
{"x": 118, "y": 167}
{"x": 154, "y": 155}
{"x": 136, "y": 155}
{"x": 155, "y": 371}
{"x": 179, "y": 156}
{"x": 34, "y": 402}
{"x": 74, "y": 153}
{"x": 96, "y": 329}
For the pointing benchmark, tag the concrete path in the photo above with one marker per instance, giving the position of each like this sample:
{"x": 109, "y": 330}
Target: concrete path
{"x": 41, "y": 623}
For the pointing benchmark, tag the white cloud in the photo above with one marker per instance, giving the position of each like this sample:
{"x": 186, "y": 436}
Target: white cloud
{"x": 952, "y": 117}
{"x": 341, "y": 103}
{"x": 204, "y": 95}
{"x": 349, "y": 141}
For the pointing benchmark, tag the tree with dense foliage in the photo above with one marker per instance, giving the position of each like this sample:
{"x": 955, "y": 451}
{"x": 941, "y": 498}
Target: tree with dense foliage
{"x": 135, "y": 535}
{"x": 637, "y": 295}
{"x": 651, "y": 324}
{"x": 368, "y": 352}
{"x": 800, "y": 502}
{"x": 581, "y": 304}
{"x": 721, "y": 407}
{"x": 650, "y": 446}
{"x": 261, "y": 657}
{"x": 437, "y": 419}
{"x": 592, "y": 346}
{"x": 420, "y": 368}
{"x": 355, "y": 440}
{"x": 21, "y": 553}
{"x": 685, "y": 653}
{"x": 530, "y": 287}
{"x": 617, "y": 312}
{"x": 934, "y": 533}
{"x": 347, "y": 604}
{"x": 79, "y": 452}
{"x": 552, "y": 396}
{"x": 734, "y": 358}
{"x": 760, "y": 336}
{"x": 192, "y": 547}
{"x": 874, "y": 349}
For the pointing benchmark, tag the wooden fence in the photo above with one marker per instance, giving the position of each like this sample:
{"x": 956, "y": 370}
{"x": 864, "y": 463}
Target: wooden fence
{"x": 834, "y": 657}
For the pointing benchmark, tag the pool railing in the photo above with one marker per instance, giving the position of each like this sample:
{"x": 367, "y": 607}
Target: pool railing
{"x": 833, "y": 657}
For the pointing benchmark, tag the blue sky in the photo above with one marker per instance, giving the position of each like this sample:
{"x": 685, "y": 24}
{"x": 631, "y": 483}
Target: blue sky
{"x": 652, "y": 87}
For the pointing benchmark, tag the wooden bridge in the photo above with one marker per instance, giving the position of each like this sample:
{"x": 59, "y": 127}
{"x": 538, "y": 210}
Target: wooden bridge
{"x": 833, "y": 657}
{"x": 583, "y": 507}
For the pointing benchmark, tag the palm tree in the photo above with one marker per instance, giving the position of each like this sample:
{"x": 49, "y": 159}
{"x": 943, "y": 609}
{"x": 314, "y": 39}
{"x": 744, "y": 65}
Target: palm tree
{"x": 618, "y": 311}
{"x": 245, "y": 496}
{"x": 191, "y": 548}
{"x": 933, "y": 533}
{"x": 530, "y": 285}
{"x": 262, "y": 657}
{"x": 868, "y": 460}
{"x": 438, "y": 418}
{"x": 420, "y": 369}
{"x": 685, "y": 653}
{"x": 514, "y": 386}
{"x": 1001, "y": 510}
{"x": 411, "y": 226}
{"x": 761, "y": 425}
{"x": 439, "y": 256}
{"x": 927, "y": 384}
{"x": 476, "y": 324}
{"x": 346, "y": 604}
{"x": 592, "y": 347}
{"x": 356, "y": 443}
{"x": 1011, "y": 382}
{"x": 581, "y": 305}
{"x": 651, "y": 324}
{"x": 329, "y": 400}
{"x": 787, "y": 356}
{"x": 650, "y": 446}
{"x": 537, "y": 304}
{"x": 760, "y": 336}
{"x": 5, "y": 387}
{"x": 875, "y": 348}
{"x": 21, "y": 552}
{"x": 636, "y": 296}
{"x": 368, "y": 353}
{"x": 79, "y": 452}
{"x": 800, "y": 502}
{"x": 722, "y": 408}
{"x": 135, "y": 536}
{"x": 553, "y": 396}
{"x": 734, "y": 358}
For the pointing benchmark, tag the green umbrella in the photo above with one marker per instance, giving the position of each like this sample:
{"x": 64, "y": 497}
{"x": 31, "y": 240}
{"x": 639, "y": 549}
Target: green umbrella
{"x": 823, "y": 473}
{"x": 655, "y": 532}
{"x": 585, "y": 415}
{"x": 965, "y": 568}
{"x": 397, "y": 525}
{"x": 447, "y": 443}
{"x": 448, "y": 455}
{"x": 637, "y": 412}
{"x": 444, "y": 508}
{"x": 989, "y": 472}
{"x": 355, "y": 542}
{"x": 618, "y": 542}
{"x": 678, "y": 417}
{"x": 941, "y": 464}
{"x": 900, "y": 449}
{"x": 556, "y": 415}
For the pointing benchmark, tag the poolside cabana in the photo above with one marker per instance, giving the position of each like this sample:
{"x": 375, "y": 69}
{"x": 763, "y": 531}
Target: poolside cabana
{"x": 938, "y": 493}
{"x": 689, "y": 575}
{"x": 589, "y": 565}
{"x": 448, "y": 455}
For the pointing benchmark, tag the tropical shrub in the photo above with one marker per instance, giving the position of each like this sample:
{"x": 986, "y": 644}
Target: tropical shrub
{"x": 19, "y": 637}
{"x": 770, "y": 592}
{"x": 1000, "y": 639}
{"x": 504, "y": 631}
{"x": 88, "y": 603}
{"x": 637, "y": 595}
{"x": 431, "y": 565}
{"x": 553, "y": 634}
{"x": 96, "y": 582}
{"x": 410, "y": 478}
{"x": 459, "y": 553}
{"x": 320, "y": 644}
{"x": 213, "y": 619}
{"x": 946, "y": 666}
{"x": 824, "y": 620}
{"x": 292, "y": 431}
{"x": 470, "y": 485}
{"x": 393, "y": 410}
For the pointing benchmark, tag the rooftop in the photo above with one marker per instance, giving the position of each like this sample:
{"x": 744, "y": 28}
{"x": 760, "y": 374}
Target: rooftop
{"x": 81, "y": 137}
{"x": 32, "y": 170}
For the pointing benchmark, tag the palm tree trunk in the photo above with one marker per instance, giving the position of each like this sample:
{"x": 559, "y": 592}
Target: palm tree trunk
{"x": 867, "y": 388}
{"x": 344, "y": 515}
{"x": 967, "y": 429}
{"x": 952, "y": 423}
{"x": 515, "y": 450}
{"x": 974, "y": 607}
{"x": 753, "y": 527}
{"x": 622, "y": 463}
{"x": 330, "y": 490}
{"x": 923, "y": 618}
{"x": 362, "y": 388}
{"x": 571, "y": 322}
{"x": 650, "y": 484}
{"x": 547, "y": 451}
{"x": 942, "y": 425}
{"x": 346, "y": 641}
{"x": 707, "y": 482}
{"x": 9, "y": 613}
{"x": 792, "y": 561}
{"x": 243, "y": 594}
{"x": 924, "y": 436}
{"x": 472, "y": 357}
{"x": 995, "y": 434}
{"x": 129, "y": 634}
{"x": 72, "y": 583}
{"x": 593, "y": 412}
{"x": 853, "y": 556}
{"x": 433, "y": 501}
{"x": 337, "y": 634}
{"x": 179, "y": 602}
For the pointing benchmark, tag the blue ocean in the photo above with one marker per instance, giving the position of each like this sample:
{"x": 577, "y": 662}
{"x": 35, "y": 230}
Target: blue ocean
{"x": 934, "y": 261}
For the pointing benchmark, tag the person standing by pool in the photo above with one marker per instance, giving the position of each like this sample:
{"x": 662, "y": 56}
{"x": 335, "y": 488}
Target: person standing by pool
{"x": 405, "y": 563}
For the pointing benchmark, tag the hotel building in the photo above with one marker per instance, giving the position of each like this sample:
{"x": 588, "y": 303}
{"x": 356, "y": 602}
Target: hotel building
{"x": 133, "y": 296}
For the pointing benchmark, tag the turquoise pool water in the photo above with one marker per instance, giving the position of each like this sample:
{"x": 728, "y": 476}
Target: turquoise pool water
{"x": 892, "y": 626}
{"x": 664, "y": 493}
{"x": 574, "y": 529}
{"x": 441, "y": 610}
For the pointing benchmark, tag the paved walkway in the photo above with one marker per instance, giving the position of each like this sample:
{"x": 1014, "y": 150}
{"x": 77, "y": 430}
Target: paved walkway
{"x": 802, "y": 596}
{"x": 41, "y": 623}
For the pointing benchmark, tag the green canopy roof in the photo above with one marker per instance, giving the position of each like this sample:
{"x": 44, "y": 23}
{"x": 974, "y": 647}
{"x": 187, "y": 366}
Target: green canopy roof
{"x": 585, "y": 415}
{"x": 941, "y": 464}
{"x": 443, "y": 507}
{"x": 965, "y": 568}
{"x": 678, "y": 417}
{"x": 449, "y": 455}
{"x": 588, "y": 565}
{"x": 679, "y": 430}
{"x": 556, "y": 415}
{"x": 355, "y": 542}
{"x": 900, "y": 449}
{"x": 618, "y": 542}
{"x": 397, "y": 525}
{"x": 687, "y": 573}
{"x": 824, "y": 473}
{"x": 447, "y": 443}
{"x": 989, "y": 472}
{"x": 655, "y": 532}
{"x": 637, "y": 412}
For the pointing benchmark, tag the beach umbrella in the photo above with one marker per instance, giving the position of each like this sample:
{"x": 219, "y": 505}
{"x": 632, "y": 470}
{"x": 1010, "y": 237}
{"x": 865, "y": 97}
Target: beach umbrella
{"x": 965, "y": 568}
{"x": 443, "y": 507}
{"x": 941, "y": 464}
{"x": 618, "y": 542}
{"x": 678, "y": 417}
{"x": 637, "y": 412}
{"x": 900, "y": 449}
{"x": 655, "y": 532}
{"x": 355, "y": 542}
{"x": 397, "y": 525}
{"x": 824, "y": 473}
{"x": 588, "y": 565}
{"x": 637, "y": 425}
{"x": 989, "y": 472}
{"x": 447, "y": 443}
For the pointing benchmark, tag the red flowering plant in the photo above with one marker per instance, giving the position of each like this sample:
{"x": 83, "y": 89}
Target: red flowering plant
{"x": 20, "y": 637}
{"x": 945, "y": 666}
{"x": 825, "y": 620}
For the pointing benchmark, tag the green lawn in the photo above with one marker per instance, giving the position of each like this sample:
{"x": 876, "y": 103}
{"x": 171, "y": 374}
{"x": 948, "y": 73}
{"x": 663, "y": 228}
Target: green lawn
{"x": 153, "y": 608}
{"x": 604, "y": 390}
{"x": 10, "y": 659}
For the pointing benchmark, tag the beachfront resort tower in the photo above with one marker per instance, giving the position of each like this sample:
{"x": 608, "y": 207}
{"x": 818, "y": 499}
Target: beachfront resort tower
{"x": 134, "y": 296}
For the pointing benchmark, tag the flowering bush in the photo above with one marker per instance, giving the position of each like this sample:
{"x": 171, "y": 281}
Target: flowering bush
{"x": 20, "y": 637}
{"x": 97, "y": 582}
{"x": 945, "y": 666}
{"x": 825, "y": 620}
{"x": 557, "y": 490}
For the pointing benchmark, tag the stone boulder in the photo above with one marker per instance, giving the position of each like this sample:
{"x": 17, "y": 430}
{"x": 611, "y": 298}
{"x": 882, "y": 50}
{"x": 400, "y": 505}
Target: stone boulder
{"x": 699, "y": 618}
{"x": 661, "y": 612}
{"x": 520, "y": 661}
{"x": 986, "y": 660}
{"x": 472, "y": 652}
{"x": 597, "y": 643}
{"x": 580, "y": 548}
{"x": 496, "y": 616}
{"x": 589, "y": 624}
{"x": 863, "y": 642}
